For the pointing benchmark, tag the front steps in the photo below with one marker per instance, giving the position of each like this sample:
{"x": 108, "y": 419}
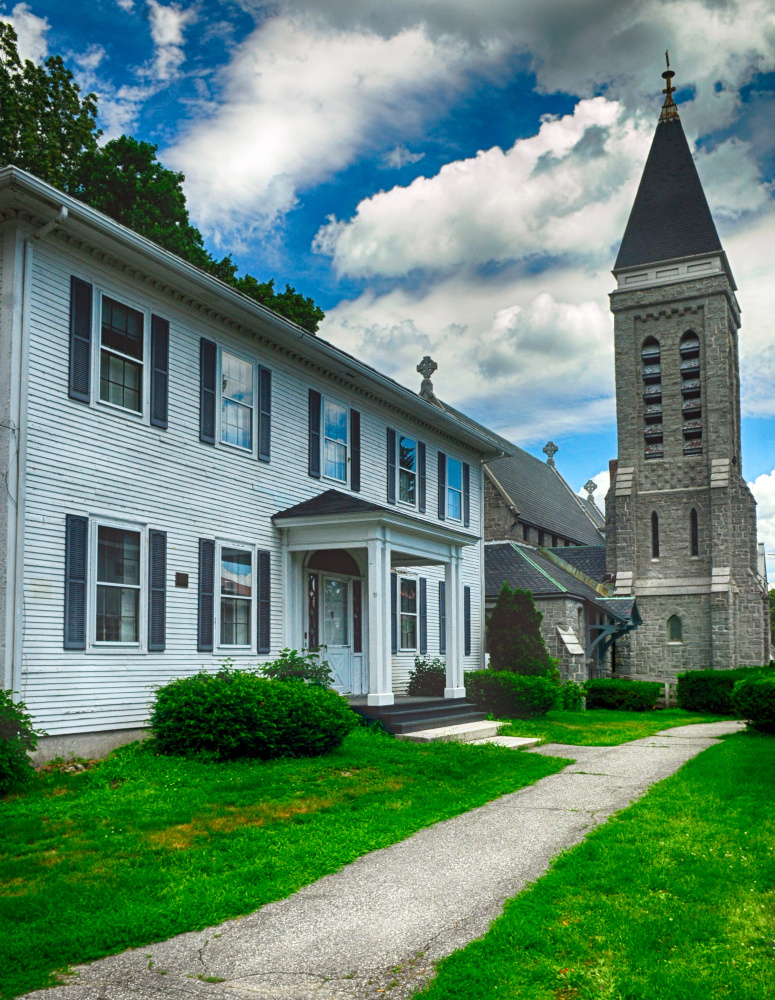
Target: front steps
{"x": 412, "y": 715}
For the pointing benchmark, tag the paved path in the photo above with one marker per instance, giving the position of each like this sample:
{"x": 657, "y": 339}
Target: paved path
{"x": 389, "y": 916}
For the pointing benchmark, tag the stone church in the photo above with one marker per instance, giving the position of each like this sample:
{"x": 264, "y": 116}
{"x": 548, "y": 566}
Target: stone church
{"x": 674, "y": 579}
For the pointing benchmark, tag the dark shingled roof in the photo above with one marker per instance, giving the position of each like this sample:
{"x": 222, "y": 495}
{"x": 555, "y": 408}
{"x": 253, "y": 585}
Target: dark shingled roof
{"x": 543, "y": 498}
{"x": 594, "y": 511}
{"x": 670, "y": 217}
{"x": 330, "y": 502}
{"x": 590, "y": 559}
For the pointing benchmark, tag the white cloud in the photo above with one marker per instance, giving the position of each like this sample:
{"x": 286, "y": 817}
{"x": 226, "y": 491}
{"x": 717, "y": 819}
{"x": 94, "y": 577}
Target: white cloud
{"x": 603, "y": 480}
{"x": 763, "y": 489}
{"x": 91, "y": 59}
{"x": 31, "y": 31}
{"x": 126, "y": 5}
{"x": 400, "y": 156}
{"x": 168, "y": 24}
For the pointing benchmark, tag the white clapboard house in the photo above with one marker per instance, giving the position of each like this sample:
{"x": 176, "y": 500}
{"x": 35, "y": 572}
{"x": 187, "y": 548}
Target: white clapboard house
{"x": 188, "y": 477}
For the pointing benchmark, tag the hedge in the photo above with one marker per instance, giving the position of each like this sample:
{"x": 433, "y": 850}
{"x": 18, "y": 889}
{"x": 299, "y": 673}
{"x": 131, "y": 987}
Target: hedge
{"x": 711, "y": 690}
{"x": 505, "y": 693}
{"x": 631, "y": 696}
{"x": 428, "y": 678}
{"x": 753, "y": 699}
{"x": 17, "y": 737}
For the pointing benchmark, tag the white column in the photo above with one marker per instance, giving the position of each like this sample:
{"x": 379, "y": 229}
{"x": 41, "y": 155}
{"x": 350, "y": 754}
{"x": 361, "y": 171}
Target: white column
{"x": 453, "y": 592}
{"x": 289, "y": 596}
{"x": 379, "y": 648}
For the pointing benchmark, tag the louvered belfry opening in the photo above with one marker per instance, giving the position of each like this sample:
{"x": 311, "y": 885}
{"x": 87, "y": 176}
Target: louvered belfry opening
{"x": 652, "y": 398}
{"x": 691, "y": 393}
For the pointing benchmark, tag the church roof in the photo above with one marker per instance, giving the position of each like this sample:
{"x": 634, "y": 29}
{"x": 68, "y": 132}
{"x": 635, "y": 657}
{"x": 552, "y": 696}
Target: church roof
{"x": 670, "y": 217}
{"x": 590, "y": 559}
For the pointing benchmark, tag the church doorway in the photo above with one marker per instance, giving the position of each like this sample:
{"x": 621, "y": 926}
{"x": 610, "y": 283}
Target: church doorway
{"x": 335, "y": 617}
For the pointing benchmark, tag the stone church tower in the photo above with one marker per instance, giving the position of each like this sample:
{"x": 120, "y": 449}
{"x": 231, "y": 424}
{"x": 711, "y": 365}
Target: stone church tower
{"x": 681, "y": 521}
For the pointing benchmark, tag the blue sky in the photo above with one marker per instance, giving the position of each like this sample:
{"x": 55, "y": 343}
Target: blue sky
{"x": 452, "y": 178}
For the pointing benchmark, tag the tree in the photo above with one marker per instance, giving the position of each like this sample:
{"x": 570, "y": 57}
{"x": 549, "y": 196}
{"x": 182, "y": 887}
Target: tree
{"x": 514, "y": 637}
{"x": 49, "y": 129}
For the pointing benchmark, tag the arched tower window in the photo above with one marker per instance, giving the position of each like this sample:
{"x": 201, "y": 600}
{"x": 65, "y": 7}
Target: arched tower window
{"x": 691, "y": 392}
{"x": 694, "y": 532}
{"x": 654, "y": 535}
{"x": 675, "y": 632}
{"x": 651, "y": 370}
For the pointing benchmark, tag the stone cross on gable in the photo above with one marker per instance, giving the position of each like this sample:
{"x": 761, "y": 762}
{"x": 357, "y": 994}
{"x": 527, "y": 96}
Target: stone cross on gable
{"x": 550, "y": 450}
{"x": 590, "y": 486}
{"x": 426, "y": 368}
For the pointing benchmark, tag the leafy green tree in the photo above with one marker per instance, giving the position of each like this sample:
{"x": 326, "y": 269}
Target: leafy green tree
{"x": 49, "y": 128}
{"x": 514, "y": 637}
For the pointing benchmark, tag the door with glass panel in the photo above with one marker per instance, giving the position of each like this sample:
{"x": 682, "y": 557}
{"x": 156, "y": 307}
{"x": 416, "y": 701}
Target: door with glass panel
{"x": 335, "y": 628}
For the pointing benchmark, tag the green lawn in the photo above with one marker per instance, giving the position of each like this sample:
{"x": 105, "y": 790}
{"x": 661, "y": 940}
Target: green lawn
{"x": 602, "y": 727}
{"x": 144, "y": 847}
{"x": 673, "y": 899}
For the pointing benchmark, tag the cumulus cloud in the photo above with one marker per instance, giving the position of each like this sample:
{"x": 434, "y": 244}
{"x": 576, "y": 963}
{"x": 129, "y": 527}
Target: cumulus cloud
{"x": 168, "y": 24}
{"x": 763, "y": 489}
{"x": 126, "y": 5}
{"x": 31, "y": 31}
{"x": 603, "y": 480}
{"x": 400, "y": 156}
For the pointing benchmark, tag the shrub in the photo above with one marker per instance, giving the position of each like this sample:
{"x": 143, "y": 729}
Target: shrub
{"x": 711, "y": 690}
{"x": 429, "y": 677}
{"x": 292, "y": 665}
{"x": 236, "y": 713}
{"x": 17, "y": 736}
{"x": 514, "y": 637}
{"x": 753, "y": 699}
{"x": 505, "y": 693}
{"x": 571, "y": 697}
{"x": 632, "y": 696}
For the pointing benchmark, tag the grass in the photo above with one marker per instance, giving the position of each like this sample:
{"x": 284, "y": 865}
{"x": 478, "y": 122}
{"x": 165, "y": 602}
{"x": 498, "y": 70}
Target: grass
{"x": 144, "y": 847}
{"x": 602, "y": 727}
{"x": 672, "y": 899}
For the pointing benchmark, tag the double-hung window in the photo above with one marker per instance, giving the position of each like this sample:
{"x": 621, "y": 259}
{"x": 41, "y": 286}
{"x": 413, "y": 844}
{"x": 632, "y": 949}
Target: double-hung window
{"x": 121, "y": 356}
{"x": 118, "y": 585}
{"x": 236, "y": 592}
{"x": 408, "y": 613}
{"x": 237, "y": 394}
{"x": 454, "y": 489}
{"x": 407, "y": 470}
{"x": 334, "y": 441}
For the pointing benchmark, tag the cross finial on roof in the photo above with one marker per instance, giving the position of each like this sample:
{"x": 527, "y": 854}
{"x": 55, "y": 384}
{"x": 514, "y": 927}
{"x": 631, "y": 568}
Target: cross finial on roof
{"x": 590, "y": 486}
{"x": 550, "y": 450}
{"x": 669, "y": 110}
{"x": 426, "y": 368}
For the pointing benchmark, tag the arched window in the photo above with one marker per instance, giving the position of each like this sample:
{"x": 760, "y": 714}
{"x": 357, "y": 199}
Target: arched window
{"x": 654, "y": 535}
{"x": 694, "y": 532}
{"x": 651, "y": 370}
{"x": 674, "y": 629}
{"x": 691, "y": 393}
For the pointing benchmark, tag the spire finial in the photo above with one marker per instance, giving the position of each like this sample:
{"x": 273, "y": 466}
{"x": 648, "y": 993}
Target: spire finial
{"x": 550, "y": 449}
{"x": 590, "y": 486}
{"x": 669, "y": 110}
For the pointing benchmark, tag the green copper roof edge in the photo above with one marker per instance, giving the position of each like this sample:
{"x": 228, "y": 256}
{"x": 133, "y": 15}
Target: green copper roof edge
{"x": 535, "y": 565}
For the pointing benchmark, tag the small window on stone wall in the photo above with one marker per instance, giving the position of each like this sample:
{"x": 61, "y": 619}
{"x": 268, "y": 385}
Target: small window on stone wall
{"x": 691, "y": 393}
{"x": 694, "y": 530}
{"x": 654, "y": 535}
{"x": 525, "y": 533}
{"x": 651, "y": 369}
{"x": 674, "y": 629}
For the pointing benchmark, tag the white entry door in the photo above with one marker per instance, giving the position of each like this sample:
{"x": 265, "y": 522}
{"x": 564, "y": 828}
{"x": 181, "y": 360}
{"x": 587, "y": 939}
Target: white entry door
{"x": 335, "y": 621}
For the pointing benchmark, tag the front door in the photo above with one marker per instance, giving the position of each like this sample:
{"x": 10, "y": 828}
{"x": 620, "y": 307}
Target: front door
{"x": 335, "y": 621}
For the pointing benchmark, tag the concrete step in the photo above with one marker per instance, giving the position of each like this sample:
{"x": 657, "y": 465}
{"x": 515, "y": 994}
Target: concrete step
{"x": 421, "y": 723}
{"x": 466, "y": 732}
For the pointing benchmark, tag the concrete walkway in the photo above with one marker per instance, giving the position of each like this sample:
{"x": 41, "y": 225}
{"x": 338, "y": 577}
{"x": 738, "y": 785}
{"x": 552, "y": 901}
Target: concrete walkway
{"x": 385, "y": 919}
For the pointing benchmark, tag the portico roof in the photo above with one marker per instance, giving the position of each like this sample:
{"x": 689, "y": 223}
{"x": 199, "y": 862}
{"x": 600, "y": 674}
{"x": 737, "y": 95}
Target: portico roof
{"x": 330, "y": 502}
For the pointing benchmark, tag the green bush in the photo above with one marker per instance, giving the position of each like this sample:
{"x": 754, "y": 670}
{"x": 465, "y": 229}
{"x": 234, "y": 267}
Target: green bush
{"x": 571, "y": 696}
{"x": 630, "y": 696}
{"x": 428, "y": 678}
{"x": 17, "y": 736}
{"x": 514, "y": 638}
{"x": 293, "y": 665}
{"x": 236, "y": 713}
{"x": 753, "y": 699}
{"x": 510, "y": 695}
{"x": 711, "y": 690}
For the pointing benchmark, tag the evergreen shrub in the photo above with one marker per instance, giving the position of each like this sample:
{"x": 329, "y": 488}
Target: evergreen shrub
{"x": 428, "y": 678}
{"x": 514, "y": 638}
{"x": 630, "y": 696}
{"x": 510, "y": 695}
{"x": 711, "y": 690}
{"x": 236, "y": 713}
{"x": 571, "y": 696}
{"x": 753, "y": 699}
{"x": 17, "y": 737}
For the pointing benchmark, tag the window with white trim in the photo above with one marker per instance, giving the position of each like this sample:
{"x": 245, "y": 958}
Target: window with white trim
{"x": 335, "y": 441}
{"x": 408, "y": 612}
{"x": 121, "y": 355}
{"x": 407, "y": 470}
{"x": 118, "y": 585}
{"x": 237, "y": 401}
{"x": 454, "y": 489}
{"x": 236, "y": 596}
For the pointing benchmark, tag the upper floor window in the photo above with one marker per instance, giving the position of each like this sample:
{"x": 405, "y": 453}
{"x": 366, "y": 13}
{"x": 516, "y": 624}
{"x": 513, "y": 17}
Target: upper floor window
{"x": 118, "y": 586}
{"x": 694, "y": 532}
{"x": 121, "y": 356}
{"x": 651, "y": 371}
{"x": 454, "y": 489}
{"x": 654, "y": 535}
{"x": 407, "y": 470}
{"x": 236, "y": 591}
{"x": 334, "y": 441}
{"x": 237, "y": 393}
{"x": 691, "y": 393}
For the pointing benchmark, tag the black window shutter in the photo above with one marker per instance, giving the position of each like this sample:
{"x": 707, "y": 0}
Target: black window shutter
{"x": 76, "y": 561}
{"x": 160, "y": 371}
{"x": 264, "y": 605}
{"x": 157, "y": 591}
{"x": 442, "y": 618}
{"x": 208, "y": 363}
{"x": 355, "y": 451}
{"x": 264, "y": 414}
{"x": 80, "y": 343}
{"x": 393, "y": 613}
{"x": 466, "y": 494}
{"x": 391, "y": 465}
{"x": 206, "y": 595}
{"x": 423, "y": 616}
{"x": 314, "y": 433}
{"x": 467, "y": 620}
{"x": 422, "y": 476}
{"x": 442, "y": 486}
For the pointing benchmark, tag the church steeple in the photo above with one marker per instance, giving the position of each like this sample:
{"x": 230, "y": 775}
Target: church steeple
{"x": 670, "y": 218}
